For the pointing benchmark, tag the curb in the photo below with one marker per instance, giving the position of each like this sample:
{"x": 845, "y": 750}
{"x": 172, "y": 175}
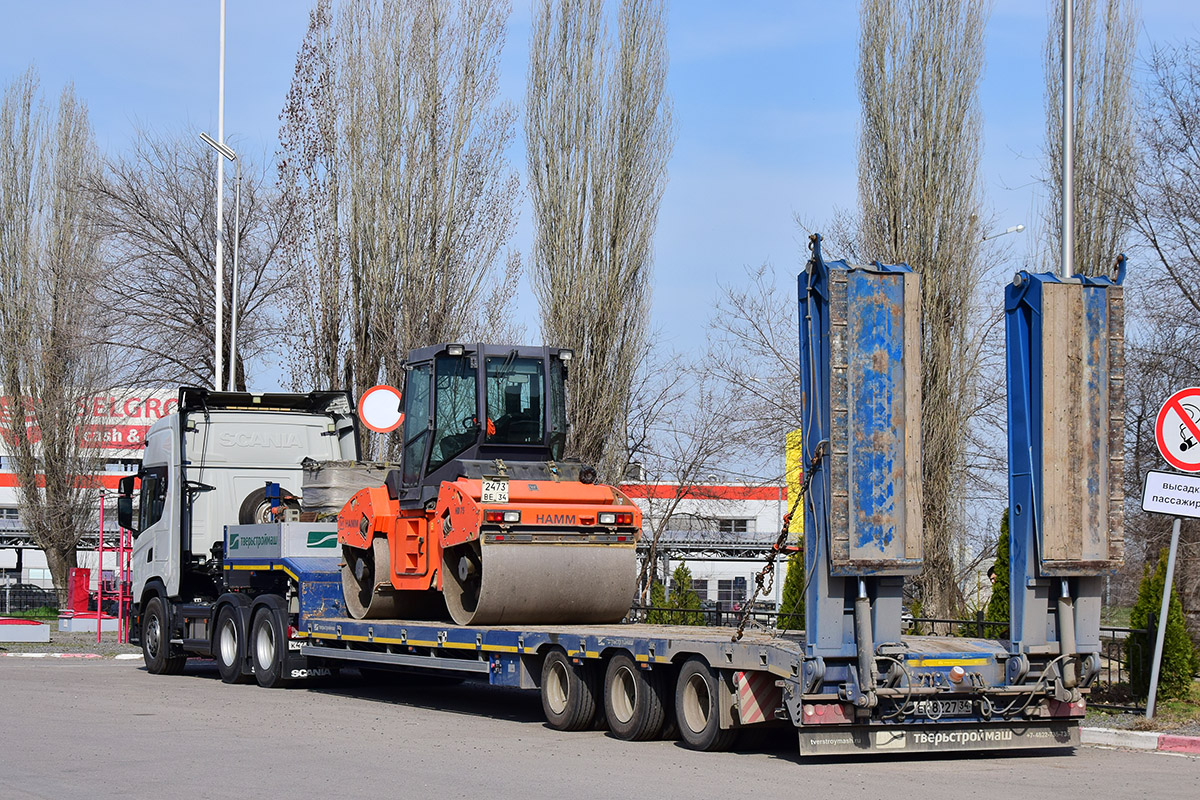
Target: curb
{"x": 1141, "y": 740}
{"x": 117, "y": 657}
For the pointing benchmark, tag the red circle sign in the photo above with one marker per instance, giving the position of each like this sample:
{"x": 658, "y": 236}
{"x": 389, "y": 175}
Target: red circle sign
{"x": 379, "y": 408}
{"x": 1177, "y": 430}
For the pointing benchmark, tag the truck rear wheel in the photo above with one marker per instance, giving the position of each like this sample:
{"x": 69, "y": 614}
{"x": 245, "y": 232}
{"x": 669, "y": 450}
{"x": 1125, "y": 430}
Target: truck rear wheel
{"x": 268, "y": 646}
{"x": 568, "y": 692}
{"x": 229, "y": 646}
{"x": 697, "y": 713}
{"x": 156, "y": 641}
{"x": 633, "y": 699}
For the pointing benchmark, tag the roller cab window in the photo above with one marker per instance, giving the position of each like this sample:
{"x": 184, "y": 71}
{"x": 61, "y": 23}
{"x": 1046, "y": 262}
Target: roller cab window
{"x": 416, "y": 422}
{"x": 516, "y": 393}
{"x": 456, "y": 421}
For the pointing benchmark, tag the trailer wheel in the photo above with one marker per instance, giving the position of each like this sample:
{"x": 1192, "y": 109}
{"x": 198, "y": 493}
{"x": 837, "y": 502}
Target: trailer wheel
{"x": 229, "y": 646}
{"x": 156, "y": 641}
{"x": 268, "y": 643}
{"x": 633, "y": 699}
{"x": 697, "y": 693}
{"x": 568, "y": 692}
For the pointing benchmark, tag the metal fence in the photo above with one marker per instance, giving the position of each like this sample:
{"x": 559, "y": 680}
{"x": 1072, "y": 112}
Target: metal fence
{"x": 25, "y": 598}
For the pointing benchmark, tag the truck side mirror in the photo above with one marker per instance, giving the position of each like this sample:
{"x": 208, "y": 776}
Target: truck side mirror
{"x": 125, "y": 503}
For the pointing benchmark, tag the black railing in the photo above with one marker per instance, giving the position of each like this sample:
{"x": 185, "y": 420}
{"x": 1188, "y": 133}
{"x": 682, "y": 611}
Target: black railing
{"x": 711, "y": 615}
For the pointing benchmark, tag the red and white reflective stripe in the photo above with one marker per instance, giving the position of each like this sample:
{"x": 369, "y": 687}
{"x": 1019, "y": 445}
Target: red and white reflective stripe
{"x": 757, "y": 696}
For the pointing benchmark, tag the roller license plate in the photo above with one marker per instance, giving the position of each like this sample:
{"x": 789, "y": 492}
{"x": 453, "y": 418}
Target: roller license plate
{"x": 495, "y": 490}
{"x": 936, "y": 709}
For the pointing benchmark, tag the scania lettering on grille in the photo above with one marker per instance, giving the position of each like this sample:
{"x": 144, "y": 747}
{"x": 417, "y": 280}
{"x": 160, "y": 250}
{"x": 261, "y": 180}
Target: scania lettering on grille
{"x": 555, "y": 519}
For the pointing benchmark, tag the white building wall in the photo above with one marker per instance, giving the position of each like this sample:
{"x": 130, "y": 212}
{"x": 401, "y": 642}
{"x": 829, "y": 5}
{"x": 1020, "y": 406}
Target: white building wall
{"x": 764, "y": 518}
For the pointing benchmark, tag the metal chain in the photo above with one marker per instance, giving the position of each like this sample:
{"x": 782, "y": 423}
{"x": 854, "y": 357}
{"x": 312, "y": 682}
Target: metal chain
{"x": 764, "y": 581}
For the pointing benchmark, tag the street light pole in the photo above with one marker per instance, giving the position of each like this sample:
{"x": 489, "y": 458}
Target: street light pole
{"x": 237, "y": 234}
{"x": 225, "y": 151}
{"x": 219, "y": 278}
{"x": 1068, "y": 141}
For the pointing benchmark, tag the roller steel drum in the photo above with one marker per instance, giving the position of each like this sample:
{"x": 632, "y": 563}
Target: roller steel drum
{"x": 522, "y": 582}
{"x": 370, "y": 595}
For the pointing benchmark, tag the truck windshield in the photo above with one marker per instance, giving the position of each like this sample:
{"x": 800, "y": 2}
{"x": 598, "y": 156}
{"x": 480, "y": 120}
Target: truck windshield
{"x": 516, "y": 390}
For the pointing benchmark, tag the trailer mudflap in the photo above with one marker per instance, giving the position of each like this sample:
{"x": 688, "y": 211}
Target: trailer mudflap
{"x": 825, "y": 741}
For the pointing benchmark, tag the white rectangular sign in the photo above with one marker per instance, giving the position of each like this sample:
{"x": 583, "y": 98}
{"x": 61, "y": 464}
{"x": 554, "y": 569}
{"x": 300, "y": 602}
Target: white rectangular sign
{"x": 495, "y": 490}
{"x": 1172, "y": 493}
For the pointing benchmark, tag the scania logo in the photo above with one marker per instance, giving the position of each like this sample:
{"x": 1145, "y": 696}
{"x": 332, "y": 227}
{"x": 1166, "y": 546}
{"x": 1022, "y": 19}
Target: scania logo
{"x": 555, "y": 519}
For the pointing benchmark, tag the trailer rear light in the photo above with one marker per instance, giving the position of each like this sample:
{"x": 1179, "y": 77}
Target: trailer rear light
{"x": 503, "y": 516}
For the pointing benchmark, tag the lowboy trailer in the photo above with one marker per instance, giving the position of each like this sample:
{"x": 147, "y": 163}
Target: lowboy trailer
{"x": 269, "y": 602}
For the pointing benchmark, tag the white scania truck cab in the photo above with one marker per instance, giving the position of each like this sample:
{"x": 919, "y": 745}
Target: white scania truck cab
{"x": 205, "y": 467}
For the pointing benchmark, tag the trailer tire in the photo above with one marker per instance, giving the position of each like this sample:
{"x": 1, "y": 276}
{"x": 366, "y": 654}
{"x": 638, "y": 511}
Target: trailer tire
{"x": 633, "y": 699}
{"x": 229, "y": 645}
{"x": 697, "y": 714}
{"x": 268, "y": 648}
{"x": 568, "y": 692}
{"x": 156, "y": 641}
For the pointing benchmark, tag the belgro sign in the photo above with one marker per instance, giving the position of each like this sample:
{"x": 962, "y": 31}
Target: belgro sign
{"x": 114, "y": 422}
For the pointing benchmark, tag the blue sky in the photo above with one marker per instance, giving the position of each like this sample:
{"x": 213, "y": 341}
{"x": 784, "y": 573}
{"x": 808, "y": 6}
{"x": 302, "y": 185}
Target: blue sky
{"x": 763, "y": 94}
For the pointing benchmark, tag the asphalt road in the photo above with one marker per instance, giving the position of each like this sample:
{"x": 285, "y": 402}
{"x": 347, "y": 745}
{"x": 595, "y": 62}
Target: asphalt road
{"x": 104, "y": 728}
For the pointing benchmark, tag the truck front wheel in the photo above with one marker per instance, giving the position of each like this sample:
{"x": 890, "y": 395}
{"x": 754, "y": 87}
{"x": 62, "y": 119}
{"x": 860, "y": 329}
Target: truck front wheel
{"x": 229, "y": 647}
{"x": 156, "y": 641}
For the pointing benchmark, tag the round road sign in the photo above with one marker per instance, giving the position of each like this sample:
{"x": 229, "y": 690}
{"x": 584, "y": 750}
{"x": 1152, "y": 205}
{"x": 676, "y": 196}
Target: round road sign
{"x": 379, "y": 408}
{"x": 1177, "y": 430}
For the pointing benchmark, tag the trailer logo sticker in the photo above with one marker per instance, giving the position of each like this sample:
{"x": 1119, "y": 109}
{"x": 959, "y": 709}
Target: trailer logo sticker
{"x": 233, "y": 541}
{"x": 318, "y": 539}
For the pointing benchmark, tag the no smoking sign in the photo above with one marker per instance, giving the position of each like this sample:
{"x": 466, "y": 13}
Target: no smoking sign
{"x": 1177, "y": 430}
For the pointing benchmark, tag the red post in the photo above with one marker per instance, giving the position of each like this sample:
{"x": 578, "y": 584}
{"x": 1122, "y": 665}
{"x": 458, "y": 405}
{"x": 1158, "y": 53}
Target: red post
{"x": 100, "y": 572}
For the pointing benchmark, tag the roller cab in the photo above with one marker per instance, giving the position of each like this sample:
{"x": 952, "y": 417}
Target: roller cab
{"x": 484, "y": 520}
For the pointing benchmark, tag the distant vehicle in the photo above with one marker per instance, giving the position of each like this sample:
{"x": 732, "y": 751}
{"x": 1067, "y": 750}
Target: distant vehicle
{"x": 26, "y": 597}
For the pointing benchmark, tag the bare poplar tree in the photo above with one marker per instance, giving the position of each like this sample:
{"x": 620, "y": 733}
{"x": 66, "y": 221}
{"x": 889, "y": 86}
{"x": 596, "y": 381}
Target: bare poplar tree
{"x": 50, "y": 362}
{"x": 685, "y": 425}
{"x": 1105, "y": 38}
{"x": 753, "y": 348}
{"x": 920, "y": 203}
{"x": 1164, "y": 299}
{"x": 393, "y": 143}
{"x": 599, "y": 134}
{"x": 161, "y": 248}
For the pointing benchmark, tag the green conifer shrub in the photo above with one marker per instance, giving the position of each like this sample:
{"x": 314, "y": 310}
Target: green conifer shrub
{"x": 1179, "y": 659}
{"x": 791, "y": 605}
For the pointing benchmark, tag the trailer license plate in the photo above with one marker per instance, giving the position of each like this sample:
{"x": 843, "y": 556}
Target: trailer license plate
{"x": 495, "y": 490}
{"x": 937, "y": 709}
